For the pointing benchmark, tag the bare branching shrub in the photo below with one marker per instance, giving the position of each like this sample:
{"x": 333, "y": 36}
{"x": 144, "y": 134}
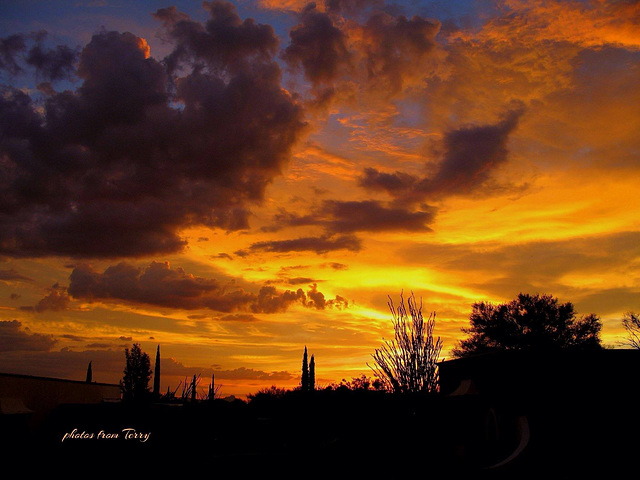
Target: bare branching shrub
{"x": 631, "y": 323}
{"x": 409, "y": 362}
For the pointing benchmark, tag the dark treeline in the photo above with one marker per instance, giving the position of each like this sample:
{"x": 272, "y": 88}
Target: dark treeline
{"x": 530, "y": 389}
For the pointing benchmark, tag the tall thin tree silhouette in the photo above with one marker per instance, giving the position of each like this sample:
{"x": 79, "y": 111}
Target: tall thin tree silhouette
{"x": 312, "y": 374}
{"x": 156, "y": 374}
{"x": 304, "y": 379}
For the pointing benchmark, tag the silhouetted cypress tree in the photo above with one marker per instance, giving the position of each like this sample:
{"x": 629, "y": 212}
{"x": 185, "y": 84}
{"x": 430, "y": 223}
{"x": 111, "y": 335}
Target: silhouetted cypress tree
{"x": 304, "y": 381}
{"x": 156, "y": 374}
{"x": 212, "y": 388}
{"x": 89, "y": 374}
{"x": 312, "y": 374}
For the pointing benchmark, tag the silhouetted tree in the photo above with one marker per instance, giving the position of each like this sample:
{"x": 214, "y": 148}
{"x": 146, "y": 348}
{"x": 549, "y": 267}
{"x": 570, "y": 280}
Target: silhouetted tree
{"x": 409, "y": 362}
{"x": 89, "y": 374}
{"x": 631, "y": 323}
{"x": 312, "y": 374}
{"x": 304, "y": 379}
{"x": 137, "y": 374}
{"x": 530, "y": 322}
{"x": 156, "y": 374}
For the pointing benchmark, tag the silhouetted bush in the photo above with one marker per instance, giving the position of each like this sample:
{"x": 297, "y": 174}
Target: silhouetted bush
{"x": 359, "y": 383}
{"x": 271, "y": 392}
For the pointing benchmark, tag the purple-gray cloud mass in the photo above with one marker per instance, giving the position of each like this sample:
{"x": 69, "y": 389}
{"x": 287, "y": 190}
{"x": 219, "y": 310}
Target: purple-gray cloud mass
{"x": 160, "y": 285}
{"x": 14, "y": 338}
{"x": 322, "y": 244}
{"x": 142, "y": 148}
{"x": 470, "y": 155}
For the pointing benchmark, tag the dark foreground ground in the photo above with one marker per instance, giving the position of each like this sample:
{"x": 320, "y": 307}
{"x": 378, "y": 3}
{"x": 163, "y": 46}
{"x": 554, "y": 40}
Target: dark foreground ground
{"x": 341, "y": 433}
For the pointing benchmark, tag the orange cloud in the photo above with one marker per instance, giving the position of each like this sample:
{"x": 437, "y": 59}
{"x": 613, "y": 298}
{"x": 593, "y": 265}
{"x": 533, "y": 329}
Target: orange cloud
{"x": 144, "y": 47}
{"x": 286, "y": 5}
{"x": 588, "y": 24}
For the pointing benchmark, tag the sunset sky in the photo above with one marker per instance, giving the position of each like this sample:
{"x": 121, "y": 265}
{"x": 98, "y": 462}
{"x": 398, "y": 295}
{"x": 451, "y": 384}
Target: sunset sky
{"x": 234, "y": 181}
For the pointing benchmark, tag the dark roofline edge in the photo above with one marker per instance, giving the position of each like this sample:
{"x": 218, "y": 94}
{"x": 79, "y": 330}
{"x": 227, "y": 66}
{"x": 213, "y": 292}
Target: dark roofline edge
{"x": 52, "y": 379}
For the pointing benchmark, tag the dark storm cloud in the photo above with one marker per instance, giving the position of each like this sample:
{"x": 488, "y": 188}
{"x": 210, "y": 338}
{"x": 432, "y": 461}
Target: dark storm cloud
{"x": 300, "y": 280}
{"x": 352, "y": 8}
{"x": 56, "y": 300}
{"x": 358, "y": 216}
{"x": 372, "y": 216}
{"x": 270, "y": 301}
{"x": 471, "y": 154}
{"x": 318, "y": 300}
{"x": 14, "y": 338}
{"x": 158, "y": 284}
{"x": 394, "y": 46}
{"x": 223, "y": 41}
{"x": 355, "y": 45}
{"x": 52, "y": 64}
{"x": 121, "y": 165}
{"x": 47, "y": 63}
{"x": 163, "y": 286}
{"x": 317, "y": 45}
{"x": 469, "y": 157}
{"x": 320, "y": 245}
{"x": 10, "y": 48}
{"x": 395, "y": 183}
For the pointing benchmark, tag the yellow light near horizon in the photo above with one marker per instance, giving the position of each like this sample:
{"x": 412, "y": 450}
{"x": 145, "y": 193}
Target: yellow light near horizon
{"x": 556, "y": 207}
